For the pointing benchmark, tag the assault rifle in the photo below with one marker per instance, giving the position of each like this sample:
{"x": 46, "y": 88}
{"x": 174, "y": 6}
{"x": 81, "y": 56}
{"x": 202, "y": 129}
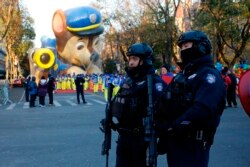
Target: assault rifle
{"x": 150, "y": 134}
{"x": 106, "y": 145}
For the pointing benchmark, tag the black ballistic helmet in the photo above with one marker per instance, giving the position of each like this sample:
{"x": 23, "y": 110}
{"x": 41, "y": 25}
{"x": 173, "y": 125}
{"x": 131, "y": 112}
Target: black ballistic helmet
{"x": 200, "y": 41}
{"x": 142, "y": 50}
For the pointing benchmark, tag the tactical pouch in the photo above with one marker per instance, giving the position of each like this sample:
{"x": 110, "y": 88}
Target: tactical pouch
{"x": 121, "y": 102}
{"x": 118, "y": 107}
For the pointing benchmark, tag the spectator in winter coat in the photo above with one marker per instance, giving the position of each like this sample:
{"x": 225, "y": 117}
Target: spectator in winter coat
{"x": 42, "y": 90}
{"x": 226, "y": 78}
{"x": 231, "y": 90}
{"x": 32, "y": 91}
{"x": 166, "y": 75}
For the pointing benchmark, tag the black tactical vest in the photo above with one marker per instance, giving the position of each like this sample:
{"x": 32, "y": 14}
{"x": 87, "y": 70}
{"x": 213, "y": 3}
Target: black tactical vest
{"x": 130, "y": 103}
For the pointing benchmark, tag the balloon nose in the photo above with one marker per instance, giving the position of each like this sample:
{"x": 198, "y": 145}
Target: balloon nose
{"x": 94, "y": 57}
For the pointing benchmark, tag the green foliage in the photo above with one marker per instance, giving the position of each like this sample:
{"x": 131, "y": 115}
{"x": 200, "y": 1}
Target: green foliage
{"x": 226, "y": 22}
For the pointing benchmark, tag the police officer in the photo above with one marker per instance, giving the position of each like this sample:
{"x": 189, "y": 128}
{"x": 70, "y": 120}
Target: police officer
{"x": 79, "y": 82}
{"x": 51, "y": 88}
{"x": 192, "y": 105}
{"x": 130, "y": 104}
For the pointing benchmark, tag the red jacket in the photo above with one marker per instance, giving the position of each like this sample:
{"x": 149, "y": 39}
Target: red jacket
{"x": 227, "y": 80}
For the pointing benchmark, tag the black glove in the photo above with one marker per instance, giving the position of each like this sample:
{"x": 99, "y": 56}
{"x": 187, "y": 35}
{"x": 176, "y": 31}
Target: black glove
{"x": 162, "y": 145}
{"x": 163, "y": 128}
{"x": 170, "y": 128}
{"x": 105, "y": 124}
{"x": 180, "y": 131}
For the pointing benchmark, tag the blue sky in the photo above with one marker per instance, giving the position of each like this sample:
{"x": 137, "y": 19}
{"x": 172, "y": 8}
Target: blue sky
{"x": 42, "y": 12}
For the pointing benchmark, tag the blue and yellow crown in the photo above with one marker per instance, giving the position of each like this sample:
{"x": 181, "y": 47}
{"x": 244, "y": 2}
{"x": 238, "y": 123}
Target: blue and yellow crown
{"x": 84, "y": 21}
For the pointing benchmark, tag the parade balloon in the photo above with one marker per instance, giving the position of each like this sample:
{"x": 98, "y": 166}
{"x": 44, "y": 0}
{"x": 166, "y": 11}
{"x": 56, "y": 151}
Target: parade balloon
{"x": 78, "y": 42}
{"x": 244, "y": 91}
{"x": 55, "y": 67}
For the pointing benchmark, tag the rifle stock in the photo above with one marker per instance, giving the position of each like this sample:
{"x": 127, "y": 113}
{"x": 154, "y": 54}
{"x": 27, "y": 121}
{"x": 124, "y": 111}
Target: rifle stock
{"x": 106, "y": 145}
{"x": 150, "y": 134}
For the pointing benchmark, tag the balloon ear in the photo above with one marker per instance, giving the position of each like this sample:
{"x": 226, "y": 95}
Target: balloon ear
{"x": 59, "y": 23}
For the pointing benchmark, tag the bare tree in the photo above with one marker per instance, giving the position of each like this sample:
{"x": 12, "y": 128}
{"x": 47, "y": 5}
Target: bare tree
{"x": 229, "y": 27}
{"x": 8, "y": 10}
{"x": 151, "y": 21}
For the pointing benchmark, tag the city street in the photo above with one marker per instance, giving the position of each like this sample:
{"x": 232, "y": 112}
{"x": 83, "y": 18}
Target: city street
{"x": 175, "y": 62}
{"x": 68, "y": 135}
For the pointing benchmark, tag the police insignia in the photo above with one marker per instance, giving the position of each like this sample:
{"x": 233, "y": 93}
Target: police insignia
{"x": 159, "y": 87}
{"x": 192, "y": 76}
{"x": 210, "y": 78}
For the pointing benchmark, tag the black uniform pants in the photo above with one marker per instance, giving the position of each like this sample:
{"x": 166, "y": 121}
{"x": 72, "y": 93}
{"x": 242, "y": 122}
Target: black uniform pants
{"x": 50, "y": 93}
{"x": 131, "y": 151}
{"x": 187, "y": 153}
{"x": 78, "y": 93}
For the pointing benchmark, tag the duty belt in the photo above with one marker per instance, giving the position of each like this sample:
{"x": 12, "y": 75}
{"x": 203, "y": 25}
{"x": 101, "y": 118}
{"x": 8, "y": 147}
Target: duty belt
{"x": 130, "y": 131}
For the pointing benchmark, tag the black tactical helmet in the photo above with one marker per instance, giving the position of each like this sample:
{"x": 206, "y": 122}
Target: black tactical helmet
{"x": 142, "y": 50}
{"x": 199, "y": 39}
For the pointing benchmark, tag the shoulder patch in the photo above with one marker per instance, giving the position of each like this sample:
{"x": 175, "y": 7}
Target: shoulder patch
{"x": 159, "y": 87}
{"x": 210, "y": 78}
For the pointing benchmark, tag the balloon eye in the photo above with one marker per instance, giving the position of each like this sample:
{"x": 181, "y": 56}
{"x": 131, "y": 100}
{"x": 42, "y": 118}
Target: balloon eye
{"x": 45, "y": 58}
{"x": 79, "y": 45}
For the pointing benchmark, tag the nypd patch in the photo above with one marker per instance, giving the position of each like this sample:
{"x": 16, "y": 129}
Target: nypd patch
{"x": 210, "y": 78}
{"x": 159, "y": 87}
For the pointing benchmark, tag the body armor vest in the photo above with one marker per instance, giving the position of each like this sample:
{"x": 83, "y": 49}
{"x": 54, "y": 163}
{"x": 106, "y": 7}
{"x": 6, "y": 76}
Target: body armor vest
{"x": 130, "y": 104}
{"x": 179, "y": 95}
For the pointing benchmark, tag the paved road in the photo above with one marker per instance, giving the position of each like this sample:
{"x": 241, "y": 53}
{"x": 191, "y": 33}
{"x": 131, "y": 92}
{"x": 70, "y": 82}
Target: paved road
{"x": 68, "y": 135}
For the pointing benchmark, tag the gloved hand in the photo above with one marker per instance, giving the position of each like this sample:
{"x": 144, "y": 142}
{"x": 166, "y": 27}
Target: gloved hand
{"x": 162, "y": 145}
{"x": 163, "y": 128}
{"x": 181, "y": 130}
{"x": 105, "y": 124}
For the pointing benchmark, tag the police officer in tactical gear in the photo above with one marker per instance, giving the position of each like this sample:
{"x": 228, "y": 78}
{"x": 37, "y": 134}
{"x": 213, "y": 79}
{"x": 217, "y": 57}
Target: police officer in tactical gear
{"x": 129, "y": 106}
{"x": 192, "y": 105}
{"x": 79, "y": 82}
